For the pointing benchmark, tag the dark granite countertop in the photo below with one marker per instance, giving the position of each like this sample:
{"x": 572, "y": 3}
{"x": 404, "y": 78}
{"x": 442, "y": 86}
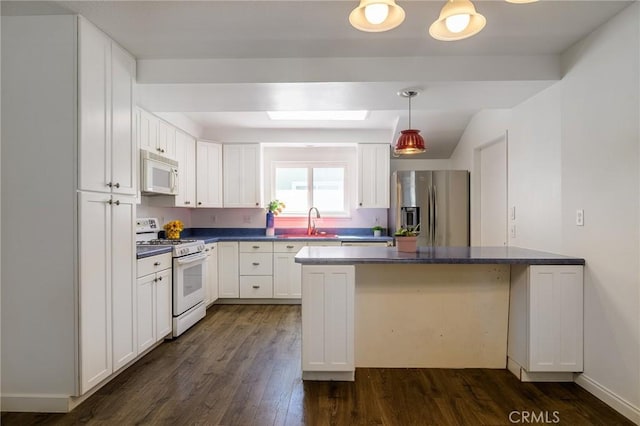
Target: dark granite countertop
{"x": 214, "y": 235}
{"x": 148, "y": 251}
{"x": 431, "y": 255}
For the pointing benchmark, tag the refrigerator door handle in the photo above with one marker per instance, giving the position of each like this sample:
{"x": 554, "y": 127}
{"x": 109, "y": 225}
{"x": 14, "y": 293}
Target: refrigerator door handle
{"x": 428, "y": 215}
{"x": 435, "y": 216}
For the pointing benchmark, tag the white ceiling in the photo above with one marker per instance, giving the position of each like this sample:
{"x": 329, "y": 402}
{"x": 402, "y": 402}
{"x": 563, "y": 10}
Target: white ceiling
{"x": 303, "y": 54}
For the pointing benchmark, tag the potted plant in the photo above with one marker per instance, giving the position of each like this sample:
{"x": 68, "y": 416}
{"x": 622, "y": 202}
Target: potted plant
{"x": 273, "y": 209}
{"x": 407, "y": 239}
{"x": 377, "y": 231}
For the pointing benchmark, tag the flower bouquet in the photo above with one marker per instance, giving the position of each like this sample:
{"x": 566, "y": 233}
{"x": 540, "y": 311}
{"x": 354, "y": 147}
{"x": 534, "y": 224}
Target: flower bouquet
{"x": 173, "y": 228}
{"x": 274, "y": 208}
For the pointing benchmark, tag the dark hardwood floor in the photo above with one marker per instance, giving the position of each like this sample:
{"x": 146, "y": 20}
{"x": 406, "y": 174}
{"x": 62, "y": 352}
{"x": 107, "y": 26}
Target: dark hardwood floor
{"x": 241, "y": 366}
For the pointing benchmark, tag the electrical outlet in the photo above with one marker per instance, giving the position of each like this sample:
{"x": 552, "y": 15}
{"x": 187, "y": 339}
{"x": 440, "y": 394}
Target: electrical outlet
{"x": 513, "y": 231}
{"x": 246, "y": 219}
{"x": 213, "y": 218}
{"x": 579, "y": 217}
{"x": 512, "y": 212}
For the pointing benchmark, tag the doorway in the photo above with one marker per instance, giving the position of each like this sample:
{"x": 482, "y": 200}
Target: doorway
{"x": 491, "y": 211}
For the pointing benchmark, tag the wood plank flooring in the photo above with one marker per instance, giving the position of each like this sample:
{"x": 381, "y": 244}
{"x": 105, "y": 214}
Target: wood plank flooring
{"x": 241, "y": 366}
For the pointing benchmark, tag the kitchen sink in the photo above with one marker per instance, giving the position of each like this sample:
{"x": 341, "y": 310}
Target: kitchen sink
{"x": 319, "y": 235}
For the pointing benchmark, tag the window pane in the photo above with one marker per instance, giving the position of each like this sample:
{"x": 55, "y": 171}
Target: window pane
{"x": 328, "y": 189}
{"x": 292, "y": 188}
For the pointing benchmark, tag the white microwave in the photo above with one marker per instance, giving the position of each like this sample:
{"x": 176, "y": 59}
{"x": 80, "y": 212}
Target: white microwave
{"x": 159, "y": 174}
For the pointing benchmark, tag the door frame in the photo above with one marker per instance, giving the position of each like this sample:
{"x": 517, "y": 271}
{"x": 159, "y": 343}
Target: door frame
{"x": 476, "y": 189}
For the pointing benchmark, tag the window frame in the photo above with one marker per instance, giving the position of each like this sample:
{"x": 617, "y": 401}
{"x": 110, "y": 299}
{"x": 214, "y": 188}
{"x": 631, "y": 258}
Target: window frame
{"x": 310, "y": 165}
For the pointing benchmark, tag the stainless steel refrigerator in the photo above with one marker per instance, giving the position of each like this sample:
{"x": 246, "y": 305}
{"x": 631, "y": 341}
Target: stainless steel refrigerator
{"x": 437, "y": 200}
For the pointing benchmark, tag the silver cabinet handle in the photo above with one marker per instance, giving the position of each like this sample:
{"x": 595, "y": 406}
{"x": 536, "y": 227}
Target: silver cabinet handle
{"x": 290, "y": 247}
{"x": 206, "y": 249}
{"x": 117, "y": 185}
{"x": 257, "y": 204}
{"x": 187, "y": 202}
{"x": 117, "y": 202}
{"x": 155, "y": 280}
{"x": 256, "y": 263}
{"x": 255, "y": 286}
{"x": 156, "y": 264}
{"x": 110, "y": 185}
{"x": 360, "y": 203}
{"x": 110, "y": 202}
{"x": 199, "y": 203}
{"x": 256, "y": 247}
{"x": 159, "y": 278}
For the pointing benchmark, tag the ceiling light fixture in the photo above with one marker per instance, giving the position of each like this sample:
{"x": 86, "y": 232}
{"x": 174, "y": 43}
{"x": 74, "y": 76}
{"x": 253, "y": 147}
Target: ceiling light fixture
{"x": 351, "y": 115}
{"x": 410, "y": 141}
{"x": 376, "y": 15}
{"x": 458, "y": 20}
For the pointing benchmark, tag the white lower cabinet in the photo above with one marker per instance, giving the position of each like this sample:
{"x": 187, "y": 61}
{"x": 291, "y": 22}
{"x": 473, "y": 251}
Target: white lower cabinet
{"x": 228, "y": 270}
{"x": 256, "y": 269}
{"x": 211, "y": 290}
{"x": 287, "y": 274}
{"x": 328, "y": 294}
{"x": 545, "y": 320}
{"x": 153, "y": 296}
{"x": 106, "y": 277}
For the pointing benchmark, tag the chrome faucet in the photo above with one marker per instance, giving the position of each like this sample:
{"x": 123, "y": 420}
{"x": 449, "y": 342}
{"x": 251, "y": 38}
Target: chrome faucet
{"x": 311, "y": 230}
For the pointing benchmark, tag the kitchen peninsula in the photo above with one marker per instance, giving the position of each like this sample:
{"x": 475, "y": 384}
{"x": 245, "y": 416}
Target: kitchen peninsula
{"x": 442, "y": 307}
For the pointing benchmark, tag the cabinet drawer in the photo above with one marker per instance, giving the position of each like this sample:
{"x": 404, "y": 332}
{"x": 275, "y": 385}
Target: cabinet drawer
{"x": 149, "y": 265}
{"x": 256, "y": 263}
{"x": 256, "y": 247}
{"x": 288, "y": 246}
{"x": 323, "y": 243}
{"x": 258, "y": 287}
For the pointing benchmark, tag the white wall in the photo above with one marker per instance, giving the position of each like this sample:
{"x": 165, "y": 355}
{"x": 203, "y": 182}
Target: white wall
{"x": 149, "y": 208}
{"x": 600, "y": 174}
{"x": 534, "y": 149}
{"x": 419, "y": 164}
{"x": 576, "y": 145}
{"x": 38, "y": 202}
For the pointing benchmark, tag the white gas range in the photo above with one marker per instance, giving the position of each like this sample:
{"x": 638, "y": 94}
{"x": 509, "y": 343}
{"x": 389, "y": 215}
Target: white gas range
{"x": 189, "y": 273}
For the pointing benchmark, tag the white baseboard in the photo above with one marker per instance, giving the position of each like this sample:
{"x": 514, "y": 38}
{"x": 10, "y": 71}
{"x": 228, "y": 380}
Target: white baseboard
{"x": 36, "y": 403}
{"x": 616, "y": 402}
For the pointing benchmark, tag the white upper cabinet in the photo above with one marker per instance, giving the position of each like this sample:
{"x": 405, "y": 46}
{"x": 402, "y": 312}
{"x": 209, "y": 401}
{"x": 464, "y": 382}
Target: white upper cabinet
{"x": 209, "y": 174}
{"x": 186, "y": 153}
{"x": 242, "y": 175}
{"x": 167, "y": 140}
{"x": 373, "y": 176}
{"x": 148, "y": 131}
{"x": 107, "y": 152}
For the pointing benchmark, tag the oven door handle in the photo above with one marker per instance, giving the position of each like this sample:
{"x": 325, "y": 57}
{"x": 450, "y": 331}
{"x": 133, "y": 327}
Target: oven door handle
{"x": 192, "y": 258}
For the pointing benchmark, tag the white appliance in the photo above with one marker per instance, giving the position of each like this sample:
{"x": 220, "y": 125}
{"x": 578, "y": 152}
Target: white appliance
{"x": 159, "y": 174}
{"x": 189, "y": 274}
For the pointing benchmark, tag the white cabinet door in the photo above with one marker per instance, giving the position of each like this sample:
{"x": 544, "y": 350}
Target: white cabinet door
{"x": 228, "y": 270}
{"x": 186, "y": 154}
{"x": 123, "y": 276}
{"x": 107, "y": 151}
{"x": 373, "y": 176}
{"x": 287, "y": 276}
{"x": 328, "y": 318}
{"x": 148, "y": 131}
{"x": 546, "y": 318}
{"x": 94, "y": 96}
{"x": 167, "y": 143}
{"x": 212, "y": 273}
{"x": 242, "y": 170}
{"x": 555, "y": 327}
{"x": 95, "y": 289}
{"x": 123, "y": 147}
{"x": 145, "y": 304}
{"x": 209, "y": 174}
{"x": 163, "y": 316}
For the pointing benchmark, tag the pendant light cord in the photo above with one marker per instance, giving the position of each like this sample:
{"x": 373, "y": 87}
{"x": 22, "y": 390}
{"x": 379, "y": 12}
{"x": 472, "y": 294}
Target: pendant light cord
{"x": 410, "y": 111}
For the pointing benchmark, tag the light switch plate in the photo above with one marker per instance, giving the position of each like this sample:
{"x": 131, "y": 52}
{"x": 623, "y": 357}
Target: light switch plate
{"x": 579, "y": 217}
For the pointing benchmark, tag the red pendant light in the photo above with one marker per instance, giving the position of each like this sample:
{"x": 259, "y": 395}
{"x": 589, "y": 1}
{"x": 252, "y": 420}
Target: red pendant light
{"x": 410, "y": 141}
